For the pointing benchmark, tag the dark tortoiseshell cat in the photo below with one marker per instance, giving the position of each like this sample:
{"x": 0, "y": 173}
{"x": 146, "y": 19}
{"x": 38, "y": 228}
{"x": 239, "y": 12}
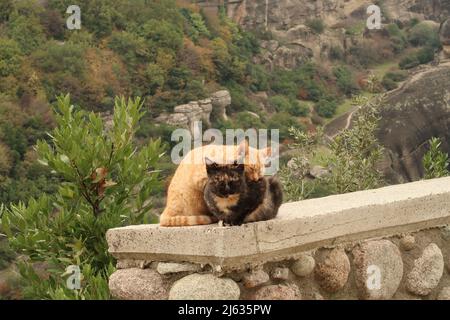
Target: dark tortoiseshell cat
{"x": 232, "y": 198}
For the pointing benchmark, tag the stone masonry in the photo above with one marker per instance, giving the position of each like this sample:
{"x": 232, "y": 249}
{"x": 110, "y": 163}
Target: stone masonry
{"x": 389, "y": 243}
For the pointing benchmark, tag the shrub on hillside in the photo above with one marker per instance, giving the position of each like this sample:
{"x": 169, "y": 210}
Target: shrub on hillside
{"x": 283, "y": 121}
{"x": 316, "y": 25}
{"x": 424, "y": 34}
{"x": 435, "y": 162}
{"x": 289, "y": 105}
{"x": 326, "y": 108}
{"x": 409, "y": 62}
{"x": 345, "y": 81}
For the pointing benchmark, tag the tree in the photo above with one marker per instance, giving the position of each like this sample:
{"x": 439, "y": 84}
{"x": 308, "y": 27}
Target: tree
{"x": 10, "y": 57}
{"x": 356, "y": 153}
{"x": 28, "y": 33}
{"x": 107, "y": 183}
{"x": 5, "y": 160}
{"x": 435, "y": 161}
{"x": 6, "y": 7}
{"x": 326, "y": 108}
{"x": 344, "y": 80}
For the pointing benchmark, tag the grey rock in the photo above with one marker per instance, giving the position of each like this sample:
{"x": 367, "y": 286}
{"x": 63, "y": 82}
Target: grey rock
{"x": 220, "y": 101}
{"x": 255, "y": 278}
{"x": 445, "y": 33}
{"x": 280, "y": 273}
{"x": 378, "y": 269}
{"x": 426, "y": 272}
{"x": 304, "y": 265}
{"x": 407, "y": 243}
{"x": 423, "y": 101}
{"x": 138, "y": 284}
{"x": 319, "y": 172}
{"x": 445, "y": 232}
{"x": 204, "y": 287}
{"x": 332, "y": 273}
{"x": 277, "y": 292}
{"x": 172, "y": 267}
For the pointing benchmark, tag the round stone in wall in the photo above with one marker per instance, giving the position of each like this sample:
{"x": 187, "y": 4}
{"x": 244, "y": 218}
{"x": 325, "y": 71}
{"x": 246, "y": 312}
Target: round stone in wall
{"x": 332, "y": 273}
{"x": 304, "y": 265}
{"x": 426, "y": 272}
{"x": 277, "y": 292}
{"x": 255, "y": 278}
{"x": 138, "y": 284}
{"x": 280, "y": 273}
{"x": 204, "y": 287}
{"x": 444, "y": 294}
{"x": 378, "y": 269}
{"x": 407, "y": 243}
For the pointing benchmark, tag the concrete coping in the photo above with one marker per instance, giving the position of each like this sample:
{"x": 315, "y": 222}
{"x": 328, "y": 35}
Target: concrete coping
{"x": 299, "y": 226}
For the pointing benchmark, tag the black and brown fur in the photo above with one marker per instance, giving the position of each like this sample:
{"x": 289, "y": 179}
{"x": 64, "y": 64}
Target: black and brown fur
{"x": 234, "y": 199}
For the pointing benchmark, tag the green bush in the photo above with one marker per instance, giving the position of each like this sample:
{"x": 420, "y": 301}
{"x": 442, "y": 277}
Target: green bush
{"x": 316, "y": 25}
{"x": 424, "y": 35}
{"x": 356, "y": 153}
{"x": 390, "y": 79}
{"x": 409, "y": 62}
{"x": 289, "y": 105}
{"x": 435, "y": 161}
{"x": 396, "y": 76}
{"x": 345, "y": 81}
{"x": 28, "y": 33}
{"x": 397, "y": 37}
{"x": 10, "y": 57}
{"x": 283, "y": 121}
{"x": 246, "y": 120}
{"x": 336, "y": 53}
{"x": 107, "y": 183}
{"x": 425, "y": 55}
{"x": 326, "y": 108}
{"x": 389, "y": 84}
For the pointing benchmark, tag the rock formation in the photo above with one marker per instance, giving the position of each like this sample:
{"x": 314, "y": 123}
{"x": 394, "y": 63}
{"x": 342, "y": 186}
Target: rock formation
{"x": 411, "y": 115}
{"x": 186, "y": 115}
{"x": 287, "y": 20}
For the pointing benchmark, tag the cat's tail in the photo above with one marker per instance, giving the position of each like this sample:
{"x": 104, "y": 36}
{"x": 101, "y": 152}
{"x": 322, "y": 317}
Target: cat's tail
{"x": 276, "y": 191}
{"x": 181, "y": 221}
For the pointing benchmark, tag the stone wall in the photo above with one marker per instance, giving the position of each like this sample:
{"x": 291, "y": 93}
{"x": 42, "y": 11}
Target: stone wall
{"x": 389, "y": 243}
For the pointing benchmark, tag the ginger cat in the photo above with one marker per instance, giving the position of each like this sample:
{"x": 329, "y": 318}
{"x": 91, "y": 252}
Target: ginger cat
{"x": 185, "y": 202}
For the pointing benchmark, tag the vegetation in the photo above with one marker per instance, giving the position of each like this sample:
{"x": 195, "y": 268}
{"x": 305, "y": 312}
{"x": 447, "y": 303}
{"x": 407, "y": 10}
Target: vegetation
{"x": 353, "y": 159}
{"x": 316, "y": 25}
{"x": 435, "y": 161}
{"x": 106, "y": 183}
{"x": 356, "y": 153}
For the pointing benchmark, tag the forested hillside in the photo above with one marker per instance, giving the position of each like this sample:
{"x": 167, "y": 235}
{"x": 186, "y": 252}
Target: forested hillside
{"x": 170, "y": 52}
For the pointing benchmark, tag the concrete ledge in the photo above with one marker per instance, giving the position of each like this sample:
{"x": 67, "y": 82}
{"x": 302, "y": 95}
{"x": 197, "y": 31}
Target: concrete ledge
{"x": 300, "y": 226}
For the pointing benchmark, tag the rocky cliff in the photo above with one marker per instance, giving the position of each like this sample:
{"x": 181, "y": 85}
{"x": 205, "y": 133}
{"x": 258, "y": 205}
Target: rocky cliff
{"x": 411, "y": 115}
{"x": 294, "y": 42}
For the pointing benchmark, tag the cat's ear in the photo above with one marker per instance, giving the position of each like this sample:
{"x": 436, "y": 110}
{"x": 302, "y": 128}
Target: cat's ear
{"x": 211, "y": 166}
{"x": 209, "y": 162}
{"x": 243, "y": 149}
